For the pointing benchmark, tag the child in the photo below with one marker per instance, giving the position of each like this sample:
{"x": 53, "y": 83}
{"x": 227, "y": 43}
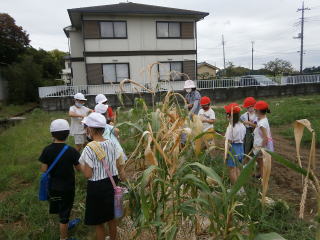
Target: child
{"x": 111, "y": 116}
{"x": 77, "y": 112}
{"x": 62, "y": 187}
{"x": 249, "y": 119}
{"x": 235, "y": 134}
{"x": 208, "y": 118}
{"x": 100, "y": 192}
{"x": 110, "y": 132}
{"x": 192, "y": 97}
{"x": 262, "y": 133}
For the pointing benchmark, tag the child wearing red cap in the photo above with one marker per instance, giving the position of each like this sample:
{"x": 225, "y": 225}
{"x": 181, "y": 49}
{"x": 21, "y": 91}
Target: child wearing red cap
{"x": 235, "y": 134}
{"x": 206, "y": 114}
{"x": 262, "y": 133}
{"x": 249, "y": 120}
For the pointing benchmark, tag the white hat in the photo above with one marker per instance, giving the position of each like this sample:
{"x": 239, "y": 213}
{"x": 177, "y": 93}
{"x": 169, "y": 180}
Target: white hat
{"x": 80, "y": 96}
{"x": 101, "y": 108}
{"x": 100, "y": 98}
{"x": 189, "y": 84}
{"x": 59, "y": 125}
{"x": 95, "y": 120}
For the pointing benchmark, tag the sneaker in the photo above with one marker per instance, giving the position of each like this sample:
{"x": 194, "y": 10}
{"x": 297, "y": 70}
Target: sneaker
{"x": 73, "y": 223}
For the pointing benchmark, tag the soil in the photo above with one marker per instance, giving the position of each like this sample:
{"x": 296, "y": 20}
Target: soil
{"x": 285, "y": 183}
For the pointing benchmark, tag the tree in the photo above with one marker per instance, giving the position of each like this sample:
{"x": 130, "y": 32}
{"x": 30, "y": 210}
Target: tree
{"x": 233, "y": 71}
{"x": 58, "y": 56}
{"x": 13, "y": 39}
{"x": 279, "y": 66}
{"x": 205, "y": 76}
{"x": 23, "y": 78}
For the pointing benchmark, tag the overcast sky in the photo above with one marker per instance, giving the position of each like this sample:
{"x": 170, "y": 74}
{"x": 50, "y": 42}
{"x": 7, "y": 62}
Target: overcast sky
{"x": 271, "y": 24}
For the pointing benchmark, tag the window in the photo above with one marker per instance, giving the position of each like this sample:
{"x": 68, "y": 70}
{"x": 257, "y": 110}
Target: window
{"x": 167, "y": 71}
{"x": 168, "y": 30}
{"x": 115, "y": 72}
{"x": 113, "y": 29}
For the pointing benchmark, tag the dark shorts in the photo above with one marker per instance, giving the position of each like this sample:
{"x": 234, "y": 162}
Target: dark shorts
{"x": 237, "y": 155}
{"x": 61, "y": 202}
{"x": 99, "y": 202}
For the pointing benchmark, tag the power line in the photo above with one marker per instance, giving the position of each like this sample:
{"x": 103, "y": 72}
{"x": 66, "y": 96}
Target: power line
{"x": 301, "y": 34}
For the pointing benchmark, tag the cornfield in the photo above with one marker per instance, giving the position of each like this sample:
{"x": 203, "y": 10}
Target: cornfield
{"x": 175, "y": 193}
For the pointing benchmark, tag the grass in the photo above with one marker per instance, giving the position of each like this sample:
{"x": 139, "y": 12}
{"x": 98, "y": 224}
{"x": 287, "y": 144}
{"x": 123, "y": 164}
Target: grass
{"x": 22, "y": 216}
{"x": 11, "y": 110}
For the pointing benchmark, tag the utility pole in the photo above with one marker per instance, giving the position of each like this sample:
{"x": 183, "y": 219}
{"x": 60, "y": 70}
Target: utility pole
{"x": 224, "y": 56}
{"x": 301, "y": 34}
{"x": 252, "y": 43}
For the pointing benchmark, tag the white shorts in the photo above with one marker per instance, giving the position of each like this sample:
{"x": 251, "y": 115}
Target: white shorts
{"x": 80, "y": 139}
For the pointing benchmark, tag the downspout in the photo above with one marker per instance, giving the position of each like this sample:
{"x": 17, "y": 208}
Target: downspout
{"x": 196, "y": 50}
{"x": 84, "y": 50}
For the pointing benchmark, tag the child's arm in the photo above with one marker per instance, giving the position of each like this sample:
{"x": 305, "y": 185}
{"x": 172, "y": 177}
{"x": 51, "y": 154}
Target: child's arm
{"x": 78, "y": 167}
{"x": 250, "y": 124}
{"x": 86, "y": 170}
{"x": 44, "y": 167}
{"x": 264, "y": 136}
{"x": 211, "y": 121}
{"x": 73, "y": 114}
{"x": 120, "y": 167}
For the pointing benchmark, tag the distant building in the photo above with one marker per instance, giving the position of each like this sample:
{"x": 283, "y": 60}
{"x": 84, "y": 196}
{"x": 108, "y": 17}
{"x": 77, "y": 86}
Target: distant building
{"x": 66, "y": 73}
{"x": 110, "y": 43}
{"x": 206, "y": 71}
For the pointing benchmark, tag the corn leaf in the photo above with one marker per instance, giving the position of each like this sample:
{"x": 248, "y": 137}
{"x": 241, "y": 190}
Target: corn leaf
{"x": 269, "y": 236}
{"x": 243, "y": 178}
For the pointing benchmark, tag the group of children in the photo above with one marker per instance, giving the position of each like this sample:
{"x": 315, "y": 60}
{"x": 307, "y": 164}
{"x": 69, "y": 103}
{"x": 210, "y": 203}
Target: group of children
{"x": 246, "y": 134}
{"x": 95, "y": 127}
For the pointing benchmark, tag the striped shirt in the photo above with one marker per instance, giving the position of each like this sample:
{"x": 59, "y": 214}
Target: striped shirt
{"x": 89, "y": 157}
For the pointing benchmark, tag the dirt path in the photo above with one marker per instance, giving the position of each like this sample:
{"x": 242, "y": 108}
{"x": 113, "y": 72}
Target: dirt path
{"x": 285, "y": 183}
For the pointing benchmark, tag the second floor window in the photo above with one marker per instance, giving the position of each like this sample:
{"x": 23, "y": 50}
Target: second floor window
{"x": 168, "y": 30}
{"x": 113, "y": 29}
{"x": 170, "y": 70}
{"x": 115, "y": 72}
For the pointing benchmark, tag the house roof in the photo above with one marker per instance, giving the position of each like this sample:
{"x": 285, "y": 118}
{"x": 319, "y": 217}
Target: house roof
{"x": 130, "y": 8}
{"x": 207, "y": 64}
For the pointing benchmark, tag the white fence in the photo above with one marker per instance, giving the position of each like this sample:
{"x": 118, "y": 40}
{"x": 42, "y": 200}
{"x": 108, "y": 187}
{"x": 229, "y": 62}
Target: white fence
{"x": 254, "y": 80}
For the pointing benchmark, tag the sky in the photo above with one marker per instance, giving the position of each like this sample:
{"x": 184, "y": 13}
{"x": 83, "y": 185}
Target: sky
{"x": 270, "y": 24}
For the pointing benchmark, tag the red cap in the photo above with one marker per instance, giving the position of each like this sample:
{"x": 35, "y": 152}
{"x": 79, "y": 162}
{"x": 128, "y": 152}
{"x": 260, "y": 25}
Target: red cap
{"x": 249, "y": 102}
{"x": 234, "y": 107}
{"x": 261, "y": 105}
{"x": 205, "y": 101}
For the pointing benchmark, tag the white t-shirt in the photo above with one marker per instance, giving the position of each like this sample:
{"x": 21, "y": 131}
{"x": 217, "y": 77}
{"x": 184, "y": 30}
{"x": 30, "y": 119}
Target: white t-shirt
{"x": 236, "y": 134}
{"x": 88, "y": 156}
{"x": 208, "y": 115}
{"x": 76, "y": 125}
{"x": 257, "y": 142}
{"x": 252, "y": 117}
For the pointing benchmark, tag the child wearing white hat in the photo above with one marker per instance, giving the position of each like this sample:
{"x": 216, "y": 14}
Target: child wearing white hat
{"x": 62, "y": 177}
{"x": 100, "y": 192}
{"x": 77, "y": 112}
{"x": 110, "y": 132}
{"x": 193, "y": 97}
{"x": 102, "y": 99}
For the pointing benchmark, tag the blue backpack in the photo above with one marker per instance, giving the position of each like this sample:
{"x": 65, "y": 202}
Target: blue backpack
{"x": 45, "y": 177}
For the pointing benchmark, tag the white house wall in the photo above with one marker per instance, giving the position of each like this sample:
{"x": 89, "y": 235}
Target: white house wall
{"x": 139, "y": 64}
{"x": 79, "y": 73}
{"x": 76, "y": 46}
{"x": 141, "y": 32}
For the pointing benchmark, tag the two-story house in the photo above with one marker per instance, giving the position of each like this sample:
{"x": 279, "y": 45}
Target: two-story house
{"x": 113, "y": 42}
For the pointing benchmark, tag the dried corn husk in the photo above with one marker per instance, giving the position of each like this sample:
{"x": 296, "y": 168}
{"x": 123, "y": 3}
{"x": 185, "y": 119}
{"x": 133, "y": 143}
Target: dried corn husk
{"x": 266, "y": 158}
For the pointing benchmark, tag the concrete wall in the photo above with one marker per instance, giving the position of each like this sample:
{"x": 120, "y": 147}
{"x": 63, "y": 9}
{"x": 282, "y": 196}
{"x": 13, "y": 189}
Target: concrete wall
{"x": 218, "y": 95}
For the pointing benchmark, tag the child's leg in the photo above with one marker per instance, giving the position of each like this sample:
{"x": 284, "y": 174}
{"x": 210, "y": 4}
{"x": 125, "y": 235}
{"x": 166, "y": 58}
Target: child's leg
{"x": 113, "y": 229}
{"x": 101, "y": 232}
{"x": 233, "y": 174}
{"x": 63, "y": 231}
